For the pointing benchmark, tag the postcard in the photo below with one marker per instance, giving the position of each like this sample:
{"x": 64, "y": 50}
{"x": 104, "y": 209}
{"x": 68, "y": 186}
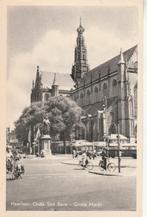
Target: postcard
{"x": 71, "y": 90}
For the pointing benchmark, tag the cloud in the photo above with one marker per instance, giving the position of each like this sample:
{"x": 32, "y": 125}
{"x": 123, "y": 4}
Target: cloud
{"x": 103, "y": 45}
{"x": 55, "y": 53}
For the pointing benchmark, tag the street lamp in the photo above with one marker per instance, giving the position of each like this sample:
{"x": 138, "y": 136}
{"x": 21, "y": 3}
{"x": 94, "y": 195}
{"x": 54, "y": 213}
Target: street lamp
{"x": 118, "y": 142}
{"x": 104, "y": 119}
{"x": 91, "y": 129}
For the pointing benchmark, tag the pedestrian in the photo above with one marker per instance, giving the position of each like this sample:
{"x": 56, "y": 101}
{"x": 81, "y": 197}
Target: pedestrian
{"x": 104, "y": 158}
{"x": 74, "y": 153}
{"x": 84, "y": 159}
{"x": 94, "y": 154}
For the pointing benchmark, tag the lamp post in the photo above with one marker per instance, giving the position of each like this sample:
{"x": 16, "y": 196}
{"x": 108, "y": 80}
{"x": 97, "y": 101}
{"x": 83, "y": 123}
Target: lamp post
{"x": 90, "y": 117}
{"x": 118, "y": 142}
{"x": 104, "y": 118}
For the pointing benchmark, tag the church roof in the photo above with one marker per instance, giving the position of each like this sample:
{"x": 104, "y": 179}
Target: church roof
{"x": 108, "y": 66}
{"x": 64, "y": 81}
{"x": 93, "y": 109}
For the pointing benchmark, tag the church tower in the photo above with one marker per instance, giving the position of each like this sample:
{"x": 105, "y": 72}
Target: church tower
{"x": 36, "y": 94}
{"x": 80, "y": 66}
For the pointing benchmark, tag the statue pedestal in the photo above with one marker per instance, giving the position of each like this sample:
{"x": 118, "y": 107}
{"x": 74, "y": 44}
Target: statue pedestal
{"x": 46, "y": 145}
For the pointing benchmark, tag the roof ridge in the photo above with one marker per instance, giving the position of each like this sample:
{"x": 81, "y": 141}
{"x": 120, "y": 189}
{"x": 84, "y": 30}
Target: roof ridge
{"x": 107, "y": 61}
{"x": 55, "y": 72}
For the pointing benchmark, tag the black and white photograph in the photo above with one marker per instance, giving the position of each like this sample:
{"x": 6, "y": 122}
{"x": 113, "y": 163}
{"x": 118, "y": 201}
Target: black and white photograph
{"x": 72, "y": 107}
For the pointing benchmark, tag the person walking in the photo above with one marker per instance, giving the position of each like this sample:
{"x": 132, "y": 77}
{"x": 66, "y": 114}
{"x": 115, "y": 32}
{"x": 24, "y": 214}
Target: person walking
{"x": 84, "y": 159}
{"x": 104, "y": 158}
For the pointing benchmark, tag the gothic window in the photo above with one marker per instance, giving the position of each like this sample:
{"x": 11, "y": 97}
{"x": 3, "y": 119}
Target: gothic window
{"x": 135, "y": 131}
{"x": 114, "y": 87}
{"x": 105, "y": 89}
{"x": 135, "y": 101}
{"x": 88, "y": 96}
{"x": 130, "y": 106}
{"x": 77, "y": 95}
{"x": 81, "y": 95}
{"x": 96, "y": 90}
{"x": 81, "y": 98}
{"x": 100, "y": 81}
{"x": 95, "y": 94}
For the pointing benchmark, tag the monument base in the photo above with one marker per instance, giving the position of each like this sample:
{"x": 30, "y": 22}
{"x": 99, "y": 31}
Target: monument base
{"x": 45, "y": 150}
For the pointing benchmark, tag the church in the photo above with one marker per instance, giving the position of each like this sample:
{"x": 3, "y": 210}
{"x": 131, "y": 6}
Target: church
{"x": 107, "y": 94}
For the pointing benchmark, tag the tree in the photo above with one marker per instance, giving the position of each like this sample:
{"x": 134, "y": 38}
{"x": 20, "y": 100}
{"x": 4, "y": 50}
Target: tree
{"x": 63, "y": 114}
{"x": 31, "y": 116}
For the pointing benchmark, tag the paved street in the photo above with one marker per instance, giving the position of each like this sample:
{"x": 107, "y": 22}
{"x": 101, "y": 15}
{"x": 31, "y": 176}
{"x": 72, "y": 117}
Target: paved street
{"x": 59, "y": 184}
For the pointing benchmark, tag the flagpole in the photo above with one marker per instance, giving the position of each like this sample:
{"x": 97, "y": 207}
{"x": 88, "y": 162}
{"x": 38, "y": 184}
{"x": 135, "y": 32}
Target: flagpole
{"x": 29, "y": 140}
{"x": 38, "y": 134}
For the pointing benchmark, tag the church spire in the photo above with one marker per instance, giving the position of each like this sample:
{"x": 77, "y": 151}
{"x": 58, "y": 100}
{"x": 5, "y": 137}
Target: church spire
{"x": 54, "y": 81}
{"x": 38, "y": 83}
{"x": 55, "y": 87}
{"x": 80, "y": 66}
{"x": 80, "y": 29}
{"x": 36, "y": 94}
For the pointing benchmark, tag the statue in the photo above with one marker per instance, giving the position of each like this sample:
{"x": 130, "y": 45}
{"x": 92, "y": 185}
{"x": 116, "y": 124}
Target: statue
{"x": 46, "y": 126}
{"x": 45, "y": 148}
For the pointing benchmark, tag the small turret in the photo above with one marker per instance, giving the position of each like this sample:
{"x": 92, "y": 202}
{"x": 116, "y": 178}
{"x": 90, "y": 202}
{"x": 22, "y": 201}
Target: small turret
{"x": 121, "y": 68}
{"x": 123, "y": 118}
{"x": 36, "y": 94}
{"x": 121, "y": 61}
{"x": 54, "y": 81}
{"x": 38, "y": 83}
{"x": 33, "y": 84}
{"x": 55, "y": 87}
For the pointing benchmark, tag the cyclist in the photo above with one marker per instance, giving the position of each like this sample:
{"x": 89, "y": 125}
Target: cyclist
{"x": 104, "y": 158}
{"x": 94, "y": 154}
{"x": 19, "y": 166}
{"x": 9, "y": 161}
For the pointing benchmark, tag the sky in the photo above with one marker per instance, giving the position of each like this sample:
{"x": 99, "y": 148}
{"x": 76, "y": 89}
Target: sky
{"x": 46, "y": 36}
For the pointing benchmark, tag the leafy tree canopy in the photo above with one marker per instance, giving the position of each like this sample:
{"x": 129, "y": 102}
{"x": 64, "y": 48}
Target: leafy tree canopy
{"x": 63, "y": 114}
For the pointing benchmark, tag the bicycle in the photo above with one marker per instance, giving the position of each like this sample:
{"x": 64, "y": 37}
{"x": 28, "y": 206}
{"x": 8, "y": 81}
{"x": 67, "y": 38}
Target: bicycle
{"x": 89, "y": 165}
{"x": 14, "y": 170}
{"x": 19, "y": 171}
{"x": 111, "y": 167}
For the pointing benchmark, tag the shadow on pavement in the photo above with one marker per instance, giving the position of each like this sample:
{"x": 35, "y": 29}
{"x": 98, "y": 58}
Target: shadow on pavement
{"x": 69, "y": 163}
{"x": 79, "y": 168}
{"x": 104, "y": 173}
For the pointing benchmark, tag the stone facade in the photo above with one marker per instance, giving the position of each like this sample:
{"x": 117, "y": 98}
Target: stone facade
{"x": 48, "y": 84}
{"x": 108, "y": 95}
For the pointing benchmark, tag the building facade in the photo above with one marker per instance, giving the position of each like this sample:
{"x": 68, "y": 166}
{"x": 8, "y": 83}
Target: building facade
{"x": 49, "y": 84}
{"x": 107, "y": 93}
